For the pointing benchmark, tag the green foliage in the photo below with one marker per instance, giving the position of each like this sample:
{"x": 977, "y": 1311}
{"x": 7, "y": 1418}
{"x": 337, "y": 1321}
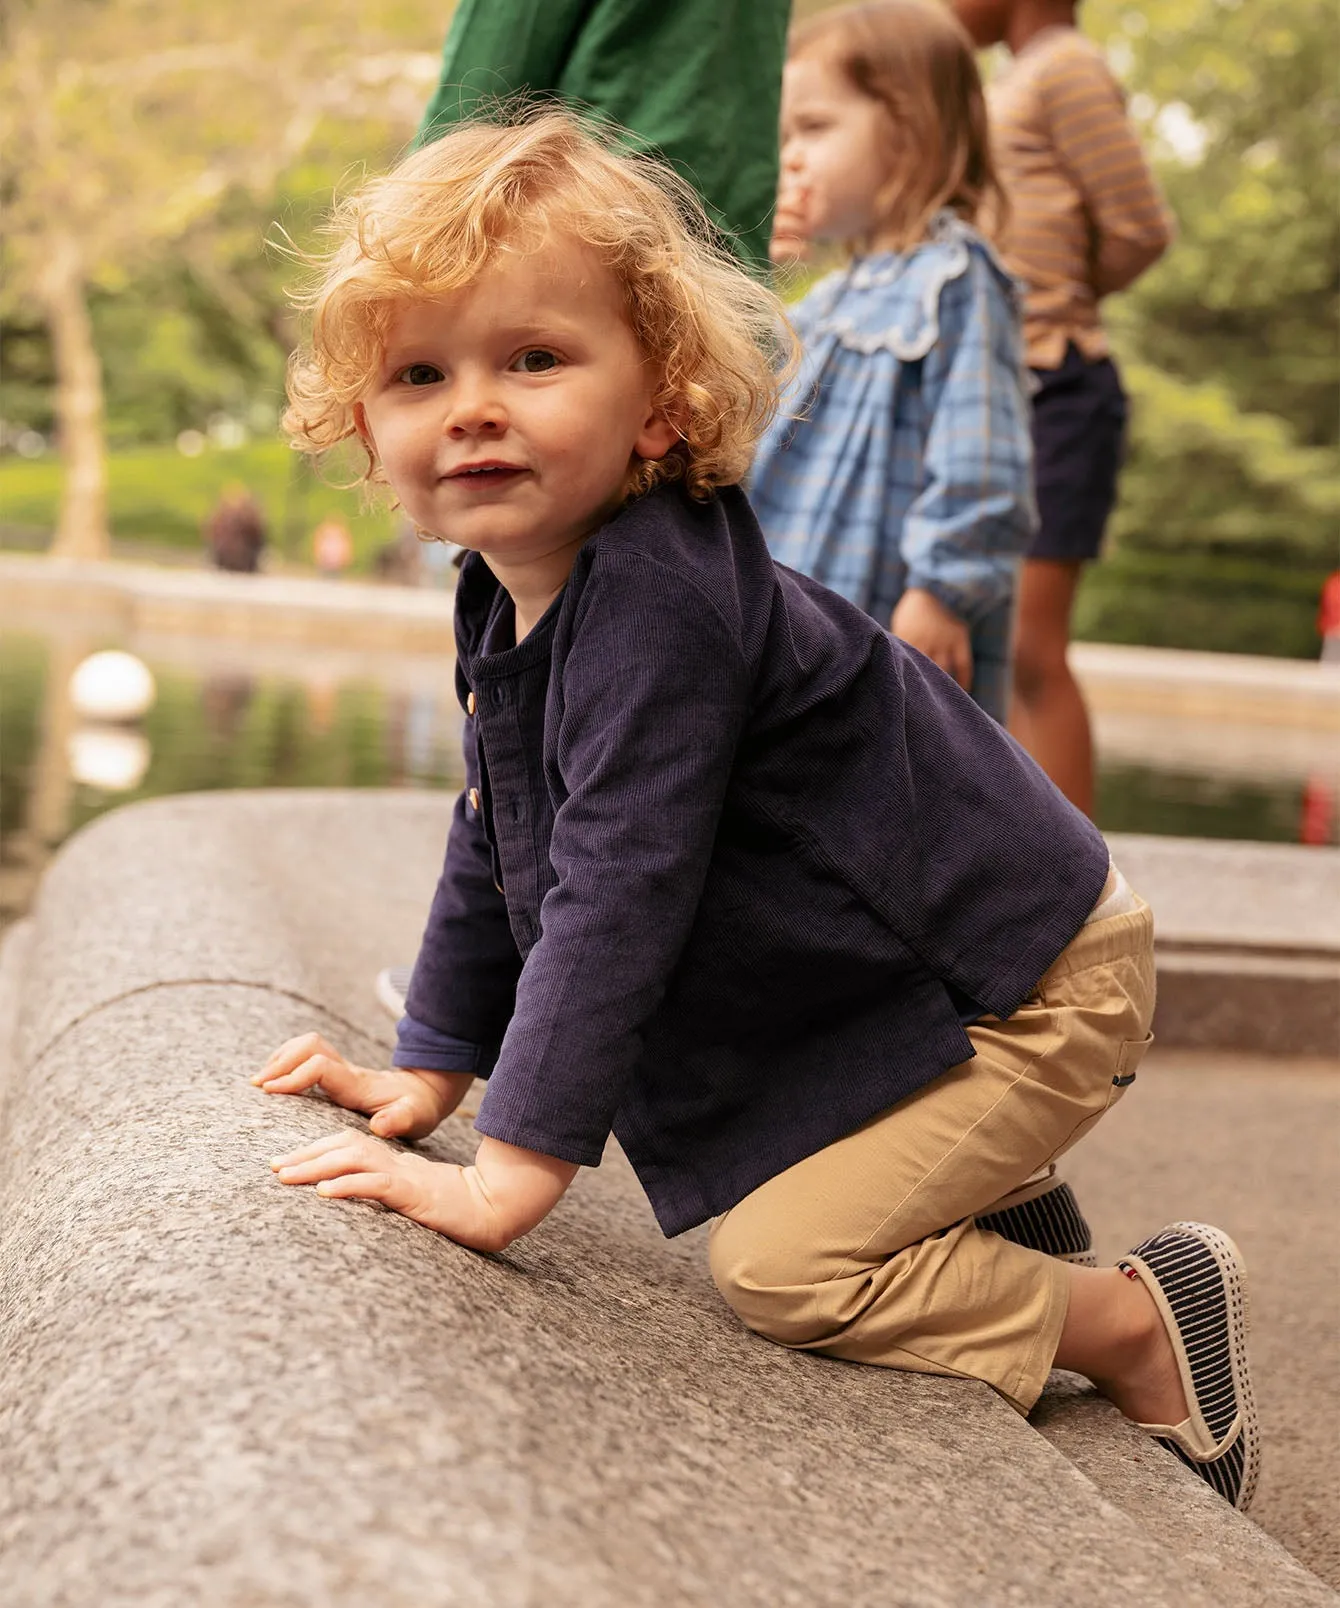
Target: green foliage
{"x": 160, "y": 498}
{"x": 1231, "y": 342}
{"x": 1229, "y": 345}
{"x": 1251, "y": 292}
{"x": 1203, "y": 473}
{"x": 1203, "y": 600}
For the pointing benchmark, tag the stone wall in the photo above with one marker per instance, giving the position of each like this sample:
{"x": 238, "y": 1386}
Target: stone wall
{"x": 217, "y": 1390}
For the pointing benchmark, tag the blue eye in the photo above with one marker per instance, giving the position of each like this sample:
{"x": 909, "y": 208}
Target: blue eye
{"x": 536, "y": 361}
{"x": 420, "y": 374}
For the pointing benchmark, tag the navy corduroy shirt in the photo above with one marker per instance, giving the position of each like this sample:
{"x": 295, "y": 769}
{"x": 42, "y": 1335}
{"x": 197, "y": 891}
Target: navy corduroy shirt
{"x": 732, "y": 865}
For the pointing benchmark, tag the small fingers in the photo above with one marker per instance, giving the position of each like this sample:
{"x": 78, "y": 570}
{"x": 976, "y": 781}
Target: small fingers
{"x": 291, "y": 1054}
{"x": 345, "y": 1139}
{"x": 290, "y": 1079}
{"x": 297, "y": 1049}
{"x": 358, "y": 1186}
{"x": 346, "y": 1165}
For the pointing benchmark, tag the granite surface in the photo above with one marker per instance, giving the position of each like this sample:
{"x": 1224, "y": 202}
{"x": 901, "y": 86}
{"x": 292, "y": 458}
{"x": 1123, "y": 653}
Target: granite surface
{"x": 217, "y": 1390}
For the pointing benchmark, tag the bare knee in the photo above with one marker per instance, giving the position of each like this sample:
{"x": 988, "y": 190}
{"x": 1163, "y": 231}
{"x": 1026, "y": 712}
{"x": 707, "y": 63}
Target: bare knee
{"x": 1039, "y": 668}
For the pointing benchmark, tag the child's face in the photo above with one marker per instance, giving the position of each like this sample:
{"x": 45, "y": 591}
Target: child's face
{"x": 837, "y": 150}
{"x": 507, "y": 414}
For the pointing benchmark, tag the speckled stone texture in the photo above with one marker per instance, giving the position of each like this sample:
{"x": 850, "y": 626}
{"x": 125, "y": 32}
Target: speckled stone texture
{"x": 216, "y": 1390}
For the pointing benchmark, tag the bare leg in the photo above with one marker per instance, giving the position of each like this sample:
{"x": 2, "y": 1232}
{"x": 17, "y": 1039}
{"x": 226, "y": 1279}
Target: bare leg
{"x": 1114, "y": 1335}
{"x": 1048, "y": 715}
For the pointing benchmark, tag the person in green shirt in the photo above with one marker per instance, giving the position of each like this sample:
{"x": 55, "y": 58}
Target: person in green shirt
{"x": 697, "y": 81}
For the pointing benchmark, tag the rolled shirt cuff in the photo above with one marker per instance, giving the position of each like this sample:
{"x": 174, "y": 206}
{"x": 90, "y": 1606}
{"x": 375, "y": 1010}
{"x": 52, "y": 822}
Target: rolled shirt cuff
{"x": 428, "y": 1050}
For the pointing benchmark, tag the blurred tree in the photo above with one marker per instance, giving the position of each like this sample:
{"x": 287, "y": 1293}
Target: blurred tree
{"x": 1232, "y": 341}
{"x": 131, "y": 131}
{"x": 1243, "y": 105}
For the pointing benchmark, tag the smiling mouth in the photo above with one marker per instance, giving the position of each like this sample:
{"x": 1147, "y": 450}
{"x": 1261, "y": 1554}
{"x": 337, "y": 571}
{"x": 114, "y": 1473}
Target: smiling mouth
{"x": 485, "y": 474}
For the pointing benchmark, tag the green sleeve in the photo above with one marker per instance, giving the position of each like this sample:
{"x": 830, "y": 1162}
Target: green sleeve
{"x": 495, "y": 48}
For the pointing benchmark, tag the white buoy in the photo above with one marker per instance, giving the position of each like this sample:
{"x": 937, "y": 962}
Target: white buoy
{"x": 112, "y": 686}
{"x": 108, "y": 757}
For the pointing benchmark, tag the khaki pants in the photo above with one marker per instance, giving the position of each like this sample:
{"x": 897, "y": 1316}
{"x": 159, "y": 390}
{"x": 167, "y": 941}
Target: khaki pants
{"x": 868, "y": 1250}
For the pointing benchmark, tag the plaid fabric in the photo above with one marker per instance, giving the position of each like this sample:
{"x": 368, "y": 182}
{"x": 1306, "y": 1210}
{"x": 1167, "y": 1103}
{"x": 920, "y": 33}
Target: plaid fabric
{"x": 901, "y": 454}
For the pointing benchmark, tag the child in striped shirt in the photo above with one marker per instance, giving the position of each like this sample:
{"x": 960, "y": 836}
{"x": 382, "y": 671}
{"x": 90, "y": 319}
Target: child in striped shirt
{"x": 1085, "y": 219}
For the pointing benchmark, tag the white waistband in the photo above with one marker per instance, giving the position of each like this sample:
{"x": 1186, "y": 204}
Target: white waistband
{"x": 1118, "y": 898}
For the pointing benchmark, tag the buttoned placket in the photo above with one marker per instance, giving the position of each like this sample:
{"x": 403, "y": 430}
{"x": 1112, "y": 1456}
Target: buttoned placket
{"x": 508, "y": 712}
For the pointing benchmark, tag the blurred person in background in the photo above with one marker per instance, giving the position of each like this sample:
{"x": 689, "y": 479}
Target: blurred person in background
{"x": 698, "y": 82}
{"x": 401, "y": 559}
{"x": 332, "y": 546}
{"x": 235, "y": 532}
{"x": 1085, "y": 219}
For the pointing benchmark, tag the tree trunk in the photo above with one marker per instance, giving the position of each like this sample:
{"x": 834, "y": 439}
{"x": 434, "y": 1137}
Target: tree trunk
{"x": 82, "y": 531}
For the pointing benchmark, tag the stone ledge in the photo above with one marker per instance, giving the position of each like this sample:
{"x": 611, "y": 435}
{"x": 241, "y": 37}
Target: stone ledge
{"x": 141, "y": 600}
{"x": 1219, "y": 686}
{"x": 1166, "y": 1500}
{"x": 1247, "y": 939}
{"x": 1120, "y": 681}
{"x": 220, "y": 1390}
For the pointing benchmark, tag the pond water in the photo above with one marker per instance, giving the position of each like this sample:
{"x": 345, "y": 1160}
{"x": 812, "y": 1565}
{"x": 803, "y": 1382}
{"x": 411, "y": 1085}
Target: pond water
{"x": 229, "y": 716}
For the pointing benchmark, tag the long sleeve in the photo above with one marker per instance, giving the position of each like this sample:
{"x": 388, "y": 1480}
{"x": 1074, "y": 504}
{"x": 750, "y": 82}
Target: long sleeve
{"x": 1094, "y": 141}
{"x": 495, "y": 50}
{"x": 654, "y": 696}
{"x": 974, "y": 515}
{"x": 464, "y": 979}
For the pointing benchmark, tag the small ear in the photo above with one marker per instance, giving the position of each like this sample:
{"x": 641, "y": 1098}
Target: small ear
{"x": 364, "y": 432}
{"x": 657, "y": 437}
{"x": 363, "y": 429}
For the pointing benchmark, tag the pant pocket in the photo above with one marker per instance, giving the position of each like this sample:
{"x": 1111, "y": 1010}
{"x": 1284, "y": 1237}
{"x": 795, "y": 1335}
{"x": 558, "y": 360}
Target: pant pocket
{"x": 1129, "y": 1056}
{"x": 1128, "y": 1064}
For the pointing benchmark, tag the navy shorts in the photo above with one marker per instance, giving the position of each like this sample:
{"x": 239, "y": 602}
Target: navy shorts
{"x": 1079, "y": 426}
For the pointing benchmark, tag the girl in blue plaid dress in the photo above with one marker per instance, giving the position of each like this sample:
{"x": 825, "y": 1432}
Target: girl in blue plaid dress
{"x": 899, "y": 471}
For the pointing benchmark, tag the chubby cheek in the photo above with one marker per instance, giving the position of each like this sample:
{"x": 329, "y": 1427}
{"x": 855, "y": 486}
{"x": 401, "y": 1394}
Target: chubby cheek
{"x": 408, "y": 467}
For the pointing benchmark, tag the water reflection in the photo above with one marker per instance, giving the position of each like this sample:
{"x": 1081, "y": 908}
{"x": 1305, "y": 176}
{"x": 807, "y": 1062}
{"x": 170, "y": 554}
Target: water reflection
{"x": 224, "y": 699}
{"x": 241, "y": 715}
{"x": 110, "y": 758}
{"x": 226, "y": 715}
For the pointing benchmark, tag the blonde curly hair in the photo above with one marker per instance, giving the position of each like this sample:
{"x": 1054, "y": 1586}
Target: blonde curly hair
{"x": 717, "y": 340}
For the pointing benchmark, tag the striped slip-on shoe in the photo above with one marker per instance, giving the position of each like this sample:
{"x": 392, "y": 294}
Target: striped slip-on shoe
{"x": 1196, "y": 1275}
{"x": 392, "y": 984}
{"x": 1046, "y": 1218}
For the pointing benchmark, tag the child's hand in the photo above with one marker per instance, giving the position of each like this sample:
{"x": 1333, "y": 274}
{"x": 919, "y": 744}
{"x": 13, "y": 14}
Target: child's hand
{"x": 923, "y": 621}
{"x": 402, "y": 1104}
{"x": 486, "y": 1206}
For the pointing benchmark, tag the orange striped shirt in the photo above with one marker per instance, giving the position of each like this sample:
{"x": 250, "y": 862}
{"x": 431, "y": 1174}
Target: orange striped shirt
{"x": 1086, "y": 217}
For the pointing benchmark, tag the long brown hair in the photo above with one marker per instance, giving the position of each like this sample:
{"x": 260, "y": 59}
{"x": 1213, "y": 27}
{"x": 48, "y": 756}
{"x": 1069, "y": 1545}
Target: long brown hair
{"x": 915, "y": 58}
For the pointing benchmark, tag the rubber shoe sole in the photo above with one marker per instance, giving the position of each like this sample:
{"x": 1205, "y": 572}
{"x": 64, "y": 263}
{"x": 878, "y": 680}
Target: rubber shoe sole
{"x": 1199, "y": 1282}
{"x": 392, "y": 985}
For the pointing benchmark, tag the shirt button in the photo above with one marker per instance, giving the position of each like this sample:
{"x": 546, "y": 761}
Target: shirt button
{"x": 470, "y": 704}
{"x": 473, "y": 796}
